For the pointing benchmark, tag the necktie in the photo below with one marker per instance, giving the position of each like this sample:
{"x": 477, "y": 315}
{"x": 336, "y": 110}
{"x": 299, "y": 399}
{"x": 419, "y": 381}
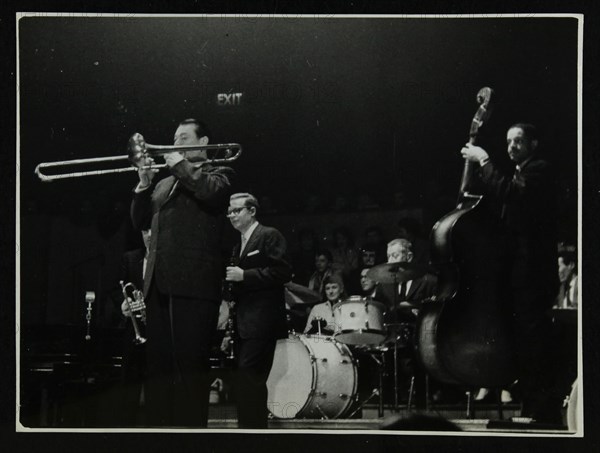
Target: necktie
{"x": 243, "y": 245}
{"x": 402, "y": 291}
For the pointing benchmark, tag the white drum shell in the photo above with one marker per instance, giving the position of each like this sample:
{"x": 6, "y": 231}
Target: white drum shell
{"x": 572, "y": 407}
{"x": 312, "y": 376}
{"x": 359, "y": 320}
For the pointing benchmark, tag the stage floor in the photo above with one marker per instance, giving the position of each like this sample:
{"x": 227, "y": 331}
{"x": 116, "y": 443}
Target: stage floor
{"x": 486, "y": 419}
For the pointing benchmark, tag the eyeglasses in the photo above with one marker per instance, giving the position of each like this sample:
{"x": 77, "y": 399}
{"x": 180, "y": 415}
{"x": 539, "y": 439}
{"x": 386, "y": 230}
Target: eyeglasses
{"x": 234, "y": 211}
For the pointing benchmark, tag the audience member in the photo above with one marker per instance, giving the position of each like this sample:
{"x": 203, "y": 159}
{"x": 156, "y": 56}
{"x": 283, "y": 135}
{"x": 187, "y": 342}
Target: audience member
{"x": 567, "y": 275}
{"x": 375, "y": 241}
{"x": 345, "y": 255}
{"x": 410, "y": 228}
{"x": 323, "y": 262}
{"x": 303, "y": 260}
{"x": 368, "y": 286}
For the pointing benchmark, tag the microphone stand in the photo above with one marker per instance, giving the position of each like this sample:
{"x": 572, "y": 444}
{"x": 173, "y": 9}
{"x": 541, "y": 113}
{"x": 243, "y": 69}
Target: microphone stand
{"x": 90, "y": 296}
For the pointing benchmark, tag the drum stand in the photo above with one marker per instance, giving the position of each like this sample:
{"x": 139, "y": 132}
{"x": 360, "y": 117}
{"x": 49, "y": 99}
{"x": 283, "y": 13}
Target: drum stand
{"x": 380, "y": 372}
{"x": 397, "y": 332}
{"x": 376, "y": 391}
{"x": 396, "y": 405}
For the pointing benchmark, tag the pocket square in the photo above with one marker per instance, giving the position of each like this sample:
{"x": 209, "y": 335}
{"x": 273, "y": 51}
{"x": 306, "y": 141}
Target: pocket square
{"x": 254, "y": 252}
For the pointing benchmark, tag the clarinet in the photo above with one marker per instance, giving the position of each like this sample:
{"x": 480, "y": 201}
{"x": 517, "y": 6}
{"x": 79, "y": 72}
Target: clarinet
{"x": 231, "y": 321}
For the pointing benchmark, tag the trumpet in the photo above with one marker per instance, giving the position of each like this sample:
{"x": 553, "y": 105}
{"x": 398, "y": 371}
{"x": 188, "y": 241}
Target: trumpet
{"x": 137, "y": 307}
{"x": 138, "y": 152}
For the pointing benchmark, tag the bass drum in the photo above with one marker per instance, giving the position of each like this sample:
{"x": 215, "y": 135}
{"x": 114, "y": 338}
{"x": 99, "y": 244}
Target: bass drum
{"x": 313, "y": 376}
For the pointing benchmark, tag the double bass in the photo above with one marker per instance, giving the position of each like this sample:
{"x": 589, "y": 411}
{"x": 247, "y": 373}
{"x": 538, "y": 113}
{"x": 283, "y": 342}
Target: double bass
{"x": 463, "y": 333}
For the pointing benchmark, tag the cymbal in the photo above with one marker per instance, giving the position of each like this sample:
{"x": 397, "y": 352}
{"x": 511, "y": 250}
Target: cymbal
{"x": 396, "y": 272}
{"x": 296, "y": 294}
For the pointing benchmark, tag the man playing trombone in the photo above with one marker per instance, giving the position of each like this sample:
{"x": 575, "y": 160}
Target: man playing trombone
{"x": 182, "y": 281}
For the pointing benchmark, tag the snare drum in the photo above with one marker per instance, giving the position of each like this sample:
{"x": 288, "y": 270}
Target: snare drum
{"x": 359, "y": 320}
{"x": 312, "y": 376}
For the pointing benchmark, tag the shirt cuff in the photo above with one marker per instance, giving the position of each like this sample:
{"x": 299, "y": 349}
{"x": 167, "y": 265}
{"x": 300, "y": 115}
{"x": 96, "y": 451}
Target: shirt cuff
{"x": 139, "y": 188}
{"x": 484, "y": 160}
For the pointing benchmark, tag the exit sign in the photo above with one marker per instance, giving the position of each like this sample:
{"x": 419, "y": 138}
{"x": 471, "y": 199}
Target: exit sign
{"x": 229, "y": 99}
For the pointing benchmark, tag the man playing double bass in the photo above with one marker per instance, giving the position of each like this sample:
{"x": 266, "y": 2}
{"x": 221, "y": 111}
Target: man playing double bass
{"x": 528, "y": 201}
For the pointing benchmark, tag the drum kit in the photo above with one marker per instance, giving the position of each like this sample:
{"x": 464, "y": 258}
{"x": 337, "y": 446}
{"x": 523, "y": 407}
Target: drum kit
{"x": 316, "y": 375}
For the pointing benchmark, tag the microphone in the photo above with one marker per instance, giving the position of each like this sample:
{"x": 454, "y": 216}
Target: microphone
{"x": 90, "y": 296}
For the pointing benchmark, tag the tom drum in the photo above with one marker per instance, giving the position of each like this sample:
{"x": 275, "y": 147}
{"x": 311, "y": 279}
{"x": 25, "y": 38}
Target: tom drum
{"x": 359, "y": 320}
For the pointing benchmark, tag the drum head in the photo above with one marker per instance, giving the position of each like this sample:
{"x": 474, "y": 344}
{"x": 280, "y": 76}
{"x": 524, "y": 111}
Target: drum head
{"x": 290, "y": 381}
{"x": 361, "y": 300}
{"x": 357, "y": 337}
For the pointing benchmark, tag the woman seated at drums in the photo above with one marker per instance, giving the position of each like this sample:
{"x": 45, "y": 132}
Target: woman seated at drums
{"x": 320, "y": 320}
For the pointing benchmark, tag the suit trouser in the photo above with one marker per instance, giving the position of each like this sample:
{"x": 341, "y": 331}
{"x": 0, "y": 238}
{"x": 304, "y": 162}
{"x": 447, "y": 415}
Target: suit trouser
{"x": 534, "y": 346}
{"x": 255, "y": 358}
{"x": 132, "y": 378}
{"x": 180, "y": 333}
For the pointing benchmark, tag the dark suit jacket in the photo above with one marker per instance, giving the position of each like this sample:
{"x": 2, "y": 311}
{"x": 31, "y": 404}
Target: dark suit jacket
{"x": 420, "y": 288}
{"x": 187, "y": 222}
{"x": 260, "y": 303}
{"x": 529, "y": 213}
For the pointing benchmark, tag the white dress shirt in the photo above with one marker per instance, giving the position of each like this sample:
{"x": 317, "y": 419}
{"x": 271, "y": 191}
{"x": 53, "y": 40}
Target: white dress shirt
{"x": 246, "y": 236}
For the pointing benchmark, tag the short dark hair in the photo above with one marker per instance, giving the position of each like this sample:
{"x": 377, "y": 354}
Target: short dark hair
{"x": 326, "y": 253}
{"x": 250, "y": 200}
{"x": 568, "y": 257}
{"x": 200, "y": 128}
{"x": 528, "y": 129}
{"x": 337, "y": 279}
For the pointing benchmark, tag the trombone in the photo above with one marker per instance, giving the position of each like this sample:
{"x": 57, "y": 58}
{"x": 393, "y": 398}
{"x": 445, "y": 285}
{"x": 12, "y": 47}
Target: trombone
{"x": 138, "y": 152}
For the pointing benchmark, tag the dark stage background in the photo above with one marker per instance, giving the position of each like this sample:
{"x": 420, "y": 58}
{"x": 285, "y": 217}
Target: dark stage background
{"x": 331, "y": 110}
